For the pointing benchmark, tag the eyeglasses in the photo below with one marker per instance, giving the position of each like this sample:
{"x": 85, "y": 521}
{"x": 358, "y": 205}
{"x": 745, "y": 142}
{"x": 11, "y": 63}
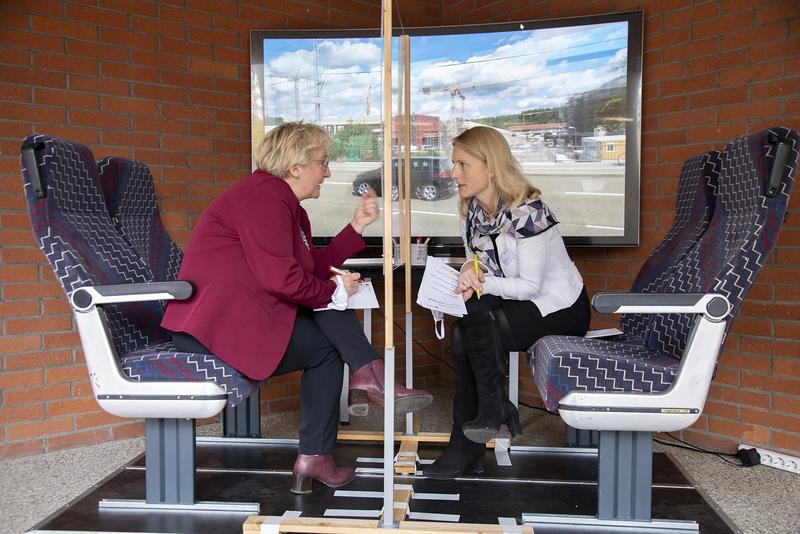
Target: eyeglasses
{"x": 324, "y": 162}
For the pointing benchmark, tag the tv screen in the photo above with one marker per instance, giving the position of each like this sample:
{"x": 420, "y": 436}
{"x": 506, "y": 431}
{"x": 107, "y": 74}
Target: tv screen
{"x": 565, "y": 93}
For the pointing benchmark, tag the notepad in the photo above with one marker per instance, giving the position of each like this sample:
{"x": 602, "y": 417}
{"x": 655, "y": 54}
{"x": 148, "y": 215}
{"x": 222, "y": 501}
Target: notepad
{"x": 437, "y": 289}
{"x": 362, "y": 299}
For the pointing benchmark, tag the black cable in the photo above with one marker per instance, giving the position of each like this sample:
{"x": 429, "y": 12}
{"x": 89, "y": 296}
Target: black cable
{"x": 545, "y": 410}
{"x": 692, "y": 447}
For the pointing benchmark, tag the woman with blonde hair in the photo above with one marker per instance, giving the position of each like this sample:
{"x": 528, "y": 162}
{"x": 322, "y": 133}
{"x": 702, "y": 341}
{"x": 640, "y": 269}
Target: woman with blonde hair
{"x": 518, "y": 282}
{"x": 259, "y": 278}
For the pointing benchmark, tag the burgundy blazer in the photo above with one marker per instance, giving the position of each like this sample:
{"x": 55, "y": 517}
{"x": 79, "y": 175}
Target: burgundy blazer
{"x": 251, "y": 269}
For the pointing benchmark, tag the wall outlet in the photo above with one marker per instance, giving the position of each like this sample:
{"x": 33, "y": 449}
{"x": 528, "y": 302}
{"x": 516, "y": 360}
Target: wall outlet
{"x": 777, "y": 460}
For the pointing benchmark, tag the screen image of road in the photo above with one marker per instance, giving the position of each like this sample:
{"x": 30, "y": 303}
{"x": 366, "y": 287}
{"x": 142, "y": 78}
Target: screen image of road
{"x": 564, "y": 95}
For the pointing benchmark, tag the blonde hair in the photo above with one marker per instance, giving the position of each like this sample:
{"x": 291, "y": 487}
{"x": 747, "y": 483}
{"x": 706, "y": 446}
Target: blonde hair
{"x": 489, "y": 146}
{"x": 291, "y": 143}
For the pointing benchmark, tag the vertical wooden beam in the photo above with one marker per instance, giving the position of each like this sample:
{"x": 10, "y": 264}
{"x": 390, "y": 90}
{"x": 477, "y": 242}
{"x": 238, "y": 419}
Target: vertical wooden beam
{"x": 405, "y": 44}
{"x": 387, "y": 521}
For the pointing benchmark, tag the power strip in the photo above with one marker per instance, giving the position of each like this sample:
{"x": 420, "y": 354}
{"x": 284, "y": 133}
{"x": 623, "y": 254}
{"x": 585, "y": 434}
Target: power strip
{"x": 776, "y": 459}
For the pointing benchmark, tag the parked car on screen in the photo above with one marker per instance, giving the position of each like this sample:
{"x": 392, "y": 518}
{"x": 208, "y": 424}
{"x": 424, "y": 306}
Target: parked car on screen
{"x": 430, "y": 179}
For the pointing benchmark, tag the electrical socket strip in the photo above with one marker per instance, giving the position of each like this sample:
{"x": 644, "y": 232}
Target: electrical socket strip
{"x": 776, "y": 459}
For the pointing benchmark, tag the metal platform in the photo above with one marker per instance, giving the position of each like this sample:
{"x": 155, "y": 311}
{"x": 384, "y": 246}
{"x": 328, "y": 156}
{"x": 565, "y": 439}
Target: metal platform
{"x": 540, "y": 480}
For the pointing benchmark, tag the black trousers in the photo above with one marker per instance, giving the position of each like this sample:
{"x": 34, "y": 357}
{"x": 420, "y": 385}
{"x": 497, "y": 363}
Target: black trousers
{"x": 320, "y": 345}
{"x": 525, "y": 323}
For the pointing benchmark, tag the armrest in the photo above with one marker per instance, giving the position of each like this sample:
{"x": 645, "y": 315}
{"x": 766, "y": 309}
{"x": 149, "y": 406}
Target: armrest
{"x": 676, "y": 407}
{"x": 85, "y": 298}
{"x": 713, "y": 306}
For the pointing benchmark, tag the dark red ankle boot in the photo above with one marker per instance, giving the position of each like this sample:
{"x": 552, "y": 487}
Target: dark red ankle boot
{"x": 366, "y": 385}
{"x": 310, "y": 467}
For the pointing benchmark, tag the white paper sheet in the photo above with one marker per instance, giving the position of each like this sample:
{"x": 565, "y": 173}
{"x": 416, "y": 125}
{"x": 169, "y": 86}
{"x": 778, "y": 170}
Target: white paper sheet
{"x": 361, "y": 299}
{"x": 436, "y": 291}
{"x": 604, "y": 332}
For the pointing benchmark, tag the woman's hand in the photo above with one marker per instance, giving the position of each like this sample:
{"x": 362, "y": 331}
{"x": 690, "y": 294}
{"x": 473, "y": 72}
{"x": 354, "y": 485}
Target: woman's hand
{"x": 350, "y": 282}
{"x": 469, "y": 282}
{"x": 366, "y": 211}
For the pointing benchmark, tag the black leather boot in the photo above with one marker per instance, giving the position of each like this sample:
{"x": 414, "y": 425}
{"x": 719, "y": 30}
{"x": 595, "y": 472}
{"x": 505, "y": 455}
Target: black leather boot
{"x": 485, "y": 350}
{"x": 461, "y": 454}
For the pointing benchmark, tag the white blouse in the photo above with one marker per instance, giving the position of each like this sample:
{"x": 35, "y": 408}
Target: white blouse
{"x": 536, "y": 268}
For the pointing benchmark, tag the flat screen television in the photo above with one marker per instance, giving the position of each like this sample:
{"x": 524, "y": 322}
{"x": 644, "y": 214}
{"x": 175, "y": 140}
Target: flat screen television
{"x": 565, "y": 93}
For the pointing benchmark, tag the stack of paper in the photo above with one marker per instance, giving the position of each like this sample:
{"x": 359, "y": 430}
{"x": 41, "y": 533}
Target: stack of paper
{"x": 363, "y": 298}
{"x": 437, "y": 290}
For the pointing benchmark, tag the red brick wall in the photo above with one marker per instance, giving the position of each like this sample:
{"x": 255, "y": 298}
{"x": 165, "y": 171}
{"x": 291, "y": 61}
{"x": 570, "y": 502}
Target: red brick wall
{"x": 712, "y": 70}
{"x": 168, "y": 83}
{"x": 164, "y": 82}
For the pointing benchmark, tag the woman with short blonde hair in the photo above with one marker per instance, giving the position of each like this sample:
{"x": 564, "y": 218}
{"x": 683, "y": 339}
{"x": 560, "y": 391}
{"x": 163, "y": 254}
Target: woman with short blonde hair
{"x": 518, "y": 284}
{"x": 259, "y": 282}
{"x": 289, "y": 144}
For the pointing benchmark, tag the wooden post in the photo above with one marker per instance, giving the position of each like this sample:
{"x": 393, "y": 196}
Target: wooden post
{"x": 387, "y": 521}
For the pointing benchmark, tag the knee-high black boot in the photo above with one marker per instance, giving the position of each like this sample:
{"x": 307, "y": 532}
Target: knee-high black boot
{"x": 485, "y": 350}
{"x": 461, "y": 453}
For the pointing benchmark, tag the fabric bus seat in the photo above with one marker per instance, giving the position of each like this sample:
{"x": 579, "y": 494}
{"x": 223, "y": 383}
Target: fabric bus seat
{"x": 627, "y": 391}
{"x": 117, "y": 307}
{"x": 130, "y": 196}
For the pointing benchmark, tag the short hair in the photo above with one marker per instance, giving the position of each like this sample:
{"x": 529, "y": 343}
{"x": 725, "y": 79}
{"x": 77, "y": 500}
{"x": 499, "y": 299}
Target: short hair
{"x": 291, "y": 143}
{"x": 489, "y": 146}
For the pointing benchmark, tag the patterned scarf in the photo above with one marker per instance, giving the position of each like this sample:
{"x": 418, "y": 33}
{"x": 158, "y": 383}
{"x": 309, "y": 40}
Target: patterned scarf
{"x": 530, "y": 218}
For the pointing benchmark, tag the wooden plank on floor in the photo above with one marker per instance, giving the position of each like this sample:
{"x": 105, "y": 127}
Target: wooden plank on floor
{"x": 421, "y": 437}
{"x": 313, "y": 524}
{"x": 429, "y": 527}
{"x": 371, "y": 526}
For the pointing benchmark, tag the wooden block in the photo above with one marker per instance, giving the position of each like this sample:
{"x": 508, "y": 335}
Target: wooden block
{"x": 422, "y": 437}
{"x": 404, "y": 497}
{"x": 431, "y": 527}
{"x": 314, "y": 524}
{"x": 407, "y": 453}
{"x": 372, "y": 526}
{"x": 410, "y": 446}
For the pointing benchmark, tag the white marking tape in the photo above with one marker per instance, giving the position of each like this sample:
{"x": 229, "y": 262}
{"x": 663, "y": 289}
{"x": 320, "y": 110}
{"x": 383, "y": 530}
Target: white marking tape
{"x": 367, "y": 494}
{"x": 501, "y": 446}
{"x": 422, "y": 516}
{"x": 272, "y": 522}
{"x": 369, "y": 469}
{"x": 509, "y": 525}
{"x": 365, "y": 460}
{"x": 436, "y": 496}
{"x": 343, "y": 512}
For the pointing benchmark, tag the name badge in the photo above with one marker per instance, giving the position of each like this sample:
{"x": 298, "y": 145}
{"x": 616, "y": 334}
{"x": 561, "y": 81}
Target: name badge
{"x": 507, "y": 256}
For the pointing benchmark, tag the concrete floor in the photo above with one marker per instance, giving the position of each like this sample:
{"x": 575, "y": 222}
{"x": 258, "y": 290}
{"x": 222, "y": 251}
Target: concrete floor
{"x": 758, "y": 500}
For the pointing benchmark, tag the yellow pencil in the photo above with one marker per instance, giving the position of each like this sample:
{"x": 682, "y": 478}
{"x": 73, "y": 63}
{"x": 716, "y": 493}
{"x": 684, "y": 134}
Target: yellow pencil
{"x": 477, "y": 273}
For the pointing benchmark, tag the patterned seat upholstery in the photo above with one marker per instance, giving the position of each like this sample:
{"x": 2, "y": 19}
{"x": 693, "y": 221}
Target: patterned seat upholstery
{"x": 725, "y": 260}
{"x": 76, "y": 234}
{"x": 131, "y": 199}
{"x": 694, "y": 207}
{"x": 130, "y": 196}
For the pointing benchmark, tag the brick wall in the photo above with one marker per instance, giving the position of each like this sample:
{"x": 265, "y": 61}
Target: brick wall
{"x": 164, "y": 82}
{"x": 712, "y": 70}
{"x": 168, "y": 83}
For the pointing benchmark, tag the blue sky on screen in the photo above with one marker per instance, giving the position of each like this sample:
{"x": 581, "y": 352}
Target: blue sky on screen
{"x": 497, "y": 73}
